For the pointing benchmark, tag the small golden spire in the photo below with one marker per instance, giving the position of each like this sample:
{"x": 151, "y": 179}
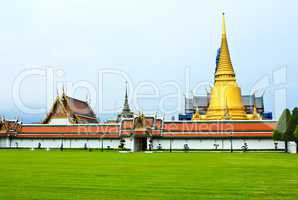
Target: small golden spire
{"x": 255, "y": 114}
{"x": 255, "y": 109}
{"x": 196, "y": 116}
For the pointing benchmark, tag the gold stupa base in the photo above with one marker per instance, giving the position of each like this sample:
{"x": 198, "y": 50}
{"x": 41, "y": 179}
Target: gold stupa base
{"x": 221, "y": 114}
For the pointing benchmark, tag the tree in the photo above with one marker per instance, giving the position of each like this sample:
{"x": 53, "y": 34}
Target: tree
{"x": 282, "y": 128}
{"x": 296, "y": 138}
{"x": 276, "y": 135}
{"x": 293, "y": 122}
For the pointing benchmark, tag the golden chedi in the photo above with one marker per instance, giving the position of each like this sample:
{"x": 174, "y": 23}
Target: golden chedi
{"x": 225, "y": 98}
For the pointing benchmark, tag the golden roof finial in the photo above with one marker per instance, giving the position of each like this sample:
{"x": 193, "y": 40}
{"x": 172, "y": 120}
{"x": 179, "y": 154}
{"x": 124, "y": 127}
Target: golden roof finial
{"x": 255, "y": 107}
{"x": 63, "y": 95}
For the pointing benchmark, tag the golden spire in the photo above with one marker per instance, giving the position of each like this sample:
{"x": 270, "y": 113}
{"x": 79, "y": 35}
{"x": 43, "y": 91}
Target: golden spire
{"x": 225, "y": 69}
{"x": 196, "y": 115}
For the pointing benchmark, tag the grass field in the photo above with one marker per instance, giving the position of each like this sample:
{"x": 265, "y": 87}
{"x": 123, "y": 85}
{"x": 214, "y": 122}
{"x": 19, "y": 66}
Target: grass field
{"x": 59, "y": 175}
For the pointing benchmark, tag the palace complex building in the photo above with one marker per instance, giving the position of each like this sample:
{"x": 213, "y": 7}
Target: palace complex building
{"x": 224, "y": 119}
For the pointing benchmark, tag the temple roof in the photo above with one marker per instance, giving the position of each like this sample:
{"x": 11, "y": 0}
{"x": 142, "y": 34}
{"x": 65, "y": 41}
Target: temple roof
{"x": 202, "y": 101}
{"x": 251, "y": 100}
{"x": 196, "y": 101}
{"x": 79, "y": 107}
{"x": 77, "y": 111}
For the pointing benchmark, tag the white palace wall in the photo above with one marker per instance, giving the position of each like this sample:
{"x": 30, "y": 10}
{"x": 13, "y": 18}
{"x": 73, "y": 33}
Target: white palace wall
{"x": 223, "y": 144}
{"x": 165, "y": 143}
{"x": 56, "y": 143}
{"x": 4, "y": 142}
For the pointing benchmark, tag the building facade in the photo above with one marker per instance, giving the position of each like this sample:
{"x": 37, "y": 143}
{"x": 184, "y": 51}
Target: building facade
{"x": 221, "y": 120}
{"x": 143, "y": 133}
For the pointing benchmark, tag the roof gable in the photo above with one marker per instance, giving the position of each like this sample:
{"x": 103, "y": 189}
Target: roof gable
{"x": 75, "y": 110}
{"x": 79, "y": 107}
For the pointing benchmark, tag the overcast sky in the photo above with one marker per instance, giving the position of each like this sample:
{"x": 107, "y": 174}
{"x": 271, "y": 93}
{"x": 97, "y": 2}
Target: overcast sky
{"x": 155, "y": 45}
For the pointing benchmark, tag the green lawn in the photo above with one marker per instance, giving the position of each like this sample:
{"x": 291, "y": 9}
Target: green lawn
{"x": 93, "y": 175}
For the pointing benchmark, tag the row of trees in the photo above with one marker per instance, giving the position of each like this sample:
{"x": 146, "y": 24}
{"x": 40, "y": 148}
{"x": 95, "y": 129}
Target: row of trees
{"x": 287, "y": 128}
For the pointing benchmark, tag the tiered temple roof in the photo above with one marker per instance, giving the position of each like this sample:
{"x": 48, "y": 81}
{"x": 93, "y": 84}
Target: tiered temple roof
{"x": 75, "y": 110}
